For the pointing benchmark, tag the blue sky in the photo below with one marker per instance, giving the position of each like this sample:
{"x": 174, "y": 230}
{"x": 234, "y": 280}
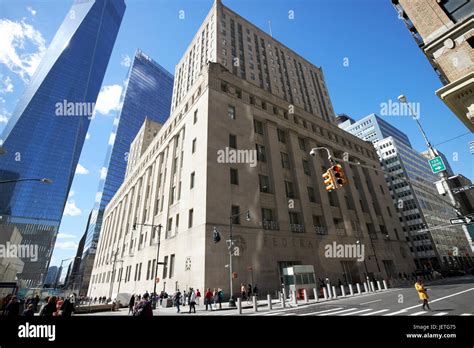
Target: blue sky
{"x": 367, "y": 55}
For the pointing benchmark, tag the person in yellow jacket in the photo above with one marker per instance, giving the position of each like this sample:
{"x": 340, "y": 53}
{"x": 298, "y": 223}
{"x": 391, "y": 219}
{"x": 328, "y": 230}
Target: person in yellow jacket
{"x": 422, "y": 293}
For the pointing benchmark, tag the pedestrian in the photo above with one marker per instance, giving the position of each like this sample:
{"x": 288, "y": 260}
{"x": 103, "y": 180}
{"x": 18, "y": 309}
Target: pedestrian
{"x": 50, "y": 307}
{"x": 249, "y": 291}
{"x": 35, "y": 303}
{"x": 192, "y": 300}
{"x": 255, "y": 291}
{"x": 13, "y": 308}
{"x": 59, "y": 304}
{"x": 198, "y": 296}
{"x": 208, "y": 298}
{"x": 185, "y": 295}
{"x": 422, "y": 293}
{"x": 242, "y": 291}
{"x": 162, "y": 296}
{"x": 143, "y": 308}
{"x": 220, "y": 297}
{"x": 131, "y": 304}
{"x": 67, "y": 308}
{"x": 177, "y": 300}
{"x": 29, "y": 311}
{"x": 215, "y": 297}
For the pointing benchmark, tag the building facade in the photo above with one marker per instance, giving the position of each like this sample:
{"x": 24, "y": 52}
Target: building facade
{"x": 147, "y": 95}
{"x": 444, "y": 31}
{"x": 423, "y": 213}
{"x": 53, "y": 114}
{"x": 199, "y": 170}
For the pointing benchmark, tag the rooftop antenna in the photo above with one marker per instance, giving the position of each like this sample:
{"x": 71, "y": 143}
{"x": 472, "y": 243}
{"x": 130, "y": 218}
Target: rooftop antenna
{"x": 270, "y": 26}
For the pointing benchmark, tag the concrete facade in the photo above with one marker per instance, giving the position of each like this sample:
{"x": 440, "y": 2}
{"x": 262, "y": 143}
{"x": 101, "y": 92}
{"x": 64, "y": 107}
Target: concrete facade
{"x": 182, "y": 183}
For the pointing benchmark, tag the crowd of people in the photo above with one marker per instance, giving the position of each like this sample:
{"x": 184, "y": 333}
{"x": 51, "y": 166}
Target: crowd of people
{"x": 13, "y": 307}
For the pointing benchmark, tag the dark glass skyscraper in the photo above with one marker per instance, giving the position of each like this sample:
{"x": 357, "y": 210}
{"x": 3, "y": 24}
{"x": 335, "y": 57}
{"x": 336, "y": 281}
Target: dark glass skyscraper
{"x": 45, "y": 134}
{"x": 147, "y": 94}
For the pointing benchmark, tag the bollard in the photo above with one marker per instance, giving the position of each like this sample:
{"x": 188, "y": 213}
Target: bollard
{"x": 366, "y": 288}
{"x": 379, "y": 288}
{"x": 343, "y": 291}
{"x": 315, "y": 292}
{"x": 269, "y": 299}
{"x": 255, "y": 306}
{"x": 329, "y": 291}
{"x": 305, "y": 294}
{"x": 325, "y": 292}
{"x": 334, "y": 295}
{"x": 372, "y": 286}
{"x": 358, "y": 289}
{"x": 351, "y": 291}
{"x": 385, "y": 285}
{"x": 239, "y": 304}
{"x": 283, "y": 298}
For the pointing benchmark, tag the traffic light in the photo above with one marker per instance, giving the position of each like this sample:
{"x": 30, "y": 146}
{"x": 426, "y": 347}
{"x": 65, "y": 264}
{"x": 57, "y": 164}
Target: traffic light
{"x": 216, "y": 236}
{"x": 339, "y": 176}
{"x": 329, "y": 180}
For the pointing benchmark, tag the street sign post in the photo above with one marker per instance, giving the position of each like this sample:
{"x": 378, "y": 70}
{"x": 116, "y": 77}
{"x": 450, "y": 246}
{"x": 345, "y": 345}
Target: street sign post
{"x": 461, "y": 220}
{"x": 437, "y": 164}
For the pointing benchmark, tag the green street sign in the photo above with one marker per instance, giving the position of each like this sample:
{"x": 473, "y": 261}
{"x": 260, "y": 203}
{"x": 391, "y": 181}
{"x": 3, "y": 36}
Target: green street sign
{"x": 437, "y": 164}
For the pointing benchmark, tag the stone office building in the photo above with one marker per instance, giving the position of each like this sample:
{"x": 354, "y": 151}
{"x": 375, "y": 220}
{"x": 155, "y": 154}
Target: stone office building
{"x": 274, "y": 105}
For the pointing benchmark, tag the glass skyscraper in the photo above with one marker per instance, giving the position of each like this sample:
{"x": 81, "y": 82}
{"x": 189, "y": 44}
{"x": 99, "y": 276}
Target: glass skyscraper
{"x": 148, "y": 92}
{"x": 46, "y": 132}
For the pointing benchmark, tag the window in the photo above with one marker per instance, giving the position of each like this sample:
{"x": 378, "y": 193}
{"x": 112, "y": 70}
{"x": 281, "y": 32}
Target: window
{"x": 457, "y": 9}
{"x": 306, "y": 168}
{"x": 231, "y": 112}
{"x": 258, "y": 126}
{"x": 281, "y": 136}
{"x": 285, "y": 160}
{"x": 165, "y": 267}
{"x": 172, "y": 265}
{"x": 234, "y": 176}
{"x": 267, "y": 214}
{"x": 236, "y": 215}
{"x": 232, "y": 141}
{"x": 311, "y": 195}
{"x": 194, "y": 146}
{"x": 190, "y": 218}
{"x": 170, "y": 224}
{"x": 264, "y": 183}
{"x": 191, "y": 183}
{"x": 302, "y": 144}
{"x": 261, "y": 154}
{"x": 195, "y": 116}
{"x": 173, "y": 193}
{"x": 148, "y": 270}
{"x": 290, "y": 192}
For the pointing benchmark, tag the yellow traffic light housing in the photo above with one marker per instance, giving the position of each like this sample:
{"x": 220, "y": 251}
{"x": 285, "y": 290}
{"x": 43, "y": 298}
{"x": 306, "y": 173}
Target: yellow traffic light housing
{"x": 329, "y": 180}
{"x": 339, "y": 177}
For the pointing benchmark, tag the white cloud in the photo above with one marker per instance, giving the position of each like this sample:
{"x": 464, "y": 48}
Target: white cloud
{"x": 116, "y": 121}
{"x": 112, "y": 138}
{"x": 31, "y": 10}
{"x": 81, "y": 170}
{"x": 7, "y": 85}
{"x": 65, "y": 236}
{"x": 98, "y": 197}
{"x": 71, "y": 208}
{"x": 71, "y": 193}
{"x": 108, "y": 99}
{"x": 88, "y": 136}
{"x": 103, "y": 173}
{"x": 14, "y": 38}
{"x": 126, "y": 60}
{"x": 66, "y": 246}
{"x": 4, "y": 118}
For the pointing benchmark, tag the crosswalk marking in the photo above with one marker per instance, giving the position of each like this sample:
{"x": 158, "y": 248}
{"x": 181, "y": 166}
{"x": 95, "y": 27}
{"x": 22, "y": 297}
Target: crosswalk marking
{"x": 376, "y": 312}
{"x": 440, "y": 314}
{"x": 328, "y": 310}
{"x": 357, "y": 312}
{"x": 418, "y": 313}
{"x": 338, "y": 312}
{"x": 465, "y": 314}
